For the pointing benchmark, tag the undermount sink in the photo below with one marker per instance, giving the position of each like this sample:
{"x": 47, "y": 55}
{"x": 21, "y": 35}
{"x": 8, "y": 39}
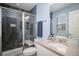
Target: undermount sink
{"x": 58, "y": 46}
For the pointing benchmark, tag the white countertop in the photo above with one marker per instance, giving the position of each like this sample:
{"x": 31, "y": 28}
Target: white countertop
{"x": 67, "y": 51}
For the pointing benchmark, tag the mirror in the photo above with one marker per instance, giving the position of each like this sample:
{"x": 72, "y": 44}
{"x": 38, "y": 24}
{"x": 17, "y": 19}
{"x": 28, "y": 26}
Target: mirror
{"x": 61, "y": 23}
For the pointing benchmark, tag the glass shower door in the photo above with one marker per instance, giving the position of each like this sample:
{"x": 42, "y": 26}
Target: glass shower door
{"x": 0, "y": 32}
{"x": 11, "y": 30}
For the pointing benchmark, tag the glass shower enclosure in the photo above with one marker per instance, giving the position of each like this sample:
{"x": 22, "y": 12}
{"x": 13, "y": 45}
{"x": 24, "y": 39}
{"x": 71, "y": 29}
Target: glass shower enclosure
{"x": 29, "y": 31}
{"x": 0, "y": 32}
{"x": 11, "y": 32}
{"x": 18, "y": 28}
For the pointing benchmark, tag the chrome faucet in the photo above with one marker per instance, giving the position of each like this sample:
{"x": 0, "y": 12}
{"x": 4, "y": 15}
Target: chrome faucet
{"x": 51, "y": 37}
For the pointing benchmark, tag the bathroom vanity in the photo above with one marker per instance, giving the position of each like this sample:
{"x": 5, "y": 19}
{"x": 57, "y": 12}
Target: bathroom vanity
{"x": 47, "y": 47}
{"x": 44, "y": 50}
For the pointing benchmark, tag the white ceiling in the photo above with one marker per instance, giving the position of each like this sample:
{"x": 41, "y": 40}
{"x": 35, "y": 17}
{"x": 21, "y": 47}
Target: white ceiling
{"x": 28, "y": 6}
{"x": 57, "y": 6}
{"x": 25, "y": 6}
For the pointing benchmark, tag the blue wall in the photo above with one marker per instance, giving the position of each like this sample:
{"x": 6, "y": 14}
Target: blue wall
{"x": 43, "y": 14}
{"x": 66, "y": 10}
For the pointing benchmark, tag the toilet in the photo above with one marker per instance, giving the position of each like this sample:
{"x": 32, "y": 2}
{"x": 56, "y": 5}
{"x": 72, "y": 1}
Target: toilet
{"x": 29, "y": 51}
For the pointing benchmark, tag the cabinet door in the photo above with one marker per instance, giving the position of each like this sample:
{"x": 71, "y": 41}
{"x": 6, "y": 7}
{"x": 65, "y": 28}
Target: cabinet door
{"x": 42, "y": 51}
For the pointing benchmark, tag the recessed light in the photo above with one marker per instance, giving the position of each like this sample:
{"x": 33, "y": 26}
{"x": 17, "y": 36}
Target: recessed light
{"x": 50, "y": 4}
{"x": 17, "y": 4}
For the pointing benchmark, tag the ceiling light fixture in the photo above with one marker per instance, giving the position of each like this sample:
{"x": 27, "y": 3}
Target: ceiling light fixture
{"x": 17, "y": 4}
{"x": 50, "y": 4}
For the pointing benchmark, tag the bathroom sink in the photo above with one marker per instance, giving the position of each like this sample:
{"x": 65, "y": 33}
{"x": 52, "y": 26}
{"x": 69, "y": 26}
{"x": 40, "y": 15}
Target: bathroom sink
{"x": 58, "y": 46}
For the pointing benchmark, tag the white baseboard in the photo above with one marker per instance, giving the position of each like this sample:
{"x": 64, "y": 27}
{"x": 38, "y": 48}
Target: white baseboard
{"x": 13, "y": 52}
